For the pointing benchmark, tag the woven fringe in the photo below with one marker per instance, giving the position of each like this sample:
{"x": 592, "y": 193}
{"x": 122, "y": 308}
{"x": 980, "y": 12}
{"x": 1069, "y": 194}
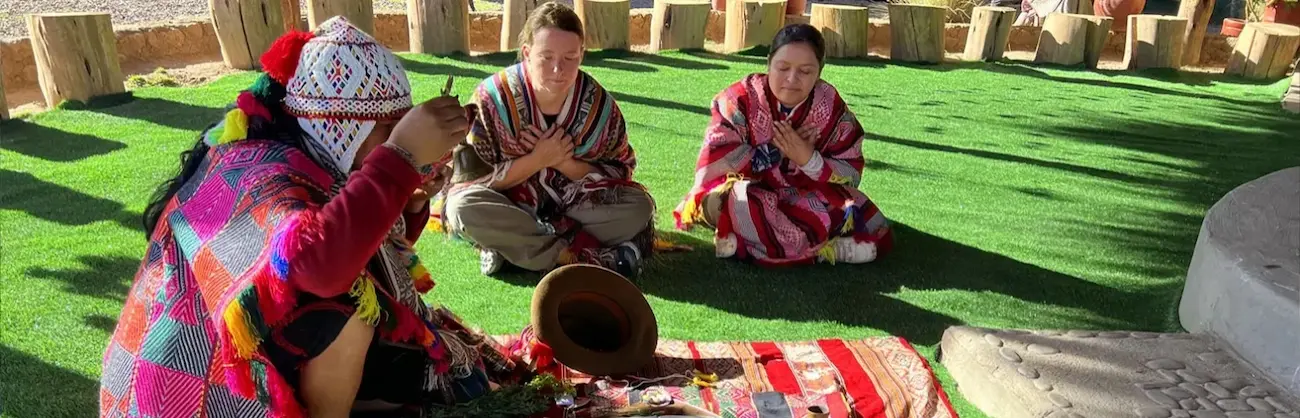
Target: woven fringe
{"x": 367, "y": 301}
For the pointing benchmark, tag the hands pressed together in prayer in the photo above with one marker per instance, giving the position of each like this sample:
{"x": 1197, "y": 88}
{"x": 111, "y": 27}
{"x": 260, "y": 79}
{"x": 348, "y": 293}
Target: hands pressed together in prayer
{"x": 796, "y": 144}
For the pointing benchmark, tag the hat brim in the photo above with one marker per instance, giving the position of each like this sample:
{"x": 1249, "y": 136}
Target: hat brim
{"x": 642, "y": 329}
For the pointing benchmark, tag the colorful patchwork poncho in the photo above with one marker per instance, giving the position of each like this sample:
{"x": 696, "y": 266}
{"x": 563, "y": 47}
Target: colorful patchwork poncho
{"x": 223, "y": 273}
{"x": 780, "y": 214}
{"x": 590, "y": 116}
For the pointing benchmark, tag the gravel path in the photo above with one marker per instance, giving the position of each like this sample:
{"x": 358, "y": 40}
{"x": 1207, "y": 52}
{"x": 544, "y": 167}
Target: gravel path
{"x": 134, "y": 12}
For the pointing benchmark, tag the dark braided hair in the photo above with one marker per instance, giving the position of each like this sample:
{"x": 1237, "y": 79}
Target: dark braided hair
{"x": 282, "y": 127}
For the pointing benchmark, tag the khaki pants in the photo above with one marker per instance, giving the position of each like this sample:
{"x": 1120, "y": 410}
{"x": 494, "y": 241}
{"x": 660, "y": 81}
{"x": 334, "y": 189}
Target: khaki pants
{"x": 491, "y": 220}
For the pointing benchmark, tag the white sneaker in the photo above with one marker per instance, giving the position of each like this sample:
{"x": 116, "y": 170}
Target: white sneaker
{"x": 852, "y": 252}
{"x": 724, "y": 247}
{"x": 490, "y": 262}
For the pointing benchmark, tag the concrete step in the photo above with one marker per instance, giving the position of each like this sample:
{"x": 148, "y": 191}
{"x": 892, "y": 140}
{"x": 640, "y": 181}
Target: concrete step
{"x": 1074, "y": 374}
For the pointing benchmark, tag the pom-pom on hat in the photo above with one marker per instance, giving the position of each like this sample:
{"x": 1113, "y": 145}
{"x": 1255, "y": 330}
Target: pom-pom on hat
{"x": 343, "y": 83}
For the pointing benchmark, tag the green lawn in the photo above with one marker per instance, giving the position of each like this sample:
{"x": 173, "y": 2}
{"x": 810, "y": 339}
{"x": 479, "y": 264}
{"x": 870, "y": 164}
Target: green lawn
{"x": 1022, "y": 197}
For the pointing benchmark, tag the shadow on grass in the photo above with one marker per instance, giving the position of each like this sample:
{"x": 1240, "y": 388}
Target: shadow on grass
{"x": 860, "y": 295}
{"x": 166, "y": 113}
{"x": 100, "y": 322}
{"x": 59, "y": 204}
{"x": 52, "y": 144}
{"x": 660, "y": 103}
{"x": 101, "y": 277}
{"x": 33, "y": 388}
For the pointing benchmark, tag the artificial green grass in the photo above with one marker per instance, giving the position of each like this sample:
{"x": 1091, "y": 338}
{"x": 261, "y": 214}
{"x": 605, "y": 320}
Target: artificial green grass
{"x": 1022, "y": 197}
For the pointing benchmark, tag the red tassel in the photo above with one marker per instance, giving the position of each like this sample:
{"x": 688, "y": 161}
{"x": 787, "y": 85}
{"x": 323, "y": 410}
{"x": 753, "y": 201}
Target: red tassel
{"x": 281, "y": 60}
{"x": 251, "y": 106}
{"x": 283, "y": 402}
{"x": 541, "y": 355}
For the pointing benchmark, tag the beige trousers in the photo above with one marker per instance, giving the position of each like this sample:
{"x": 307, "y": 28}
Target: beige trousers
{"x": 491, "y": 220}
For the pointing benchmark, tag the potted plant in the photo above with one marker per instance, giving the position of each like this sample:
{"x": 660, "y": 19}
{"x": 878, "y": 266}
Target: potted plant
{"x": 1283, "y": 11}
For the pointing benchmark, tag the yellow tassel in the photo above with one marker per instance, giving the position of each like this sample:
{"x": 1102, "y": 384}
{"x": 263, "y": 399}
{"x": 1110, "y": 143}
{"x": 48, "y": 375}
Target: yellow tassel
{"x": 418, "y": 271}
{"x": 707, "y": 377}
{"x": 367, "y": 301}
{"x": 827, "y": 252}
{"x": 691, "y": 211}
{"x": 434, "y": 225}
{"x": 848, "y": 225}
{"x": 241, "y": 332}
{"x": 236, "y": 127}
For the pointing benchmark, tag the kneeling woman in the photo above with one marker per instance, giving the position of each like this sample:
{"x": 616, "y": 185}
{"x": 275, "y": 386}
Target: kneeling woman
{"x": 547, "y": 176}
{"x": 280, "y": 278}
{"x": 777, "y": 176}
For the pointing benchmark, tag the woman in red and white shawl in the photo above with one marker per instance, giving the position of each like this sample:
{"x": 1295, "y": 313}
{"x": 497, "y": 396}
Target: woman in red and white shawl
{"x": 782, "y": 158}
{"x": 546, "y": 178}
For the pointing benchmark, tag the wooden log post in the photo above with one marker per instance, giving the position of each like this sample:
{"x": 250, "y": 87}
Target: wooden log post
{"x": 513, "y": 15}
{"x": 844, "y": 29}
{"x": 605, "y": 23}
{"x": 361, "y": 13}
{"x": 916, "y": 32}
{"x": 76, "y": 56}
{"x": 1154, "y": 41}
{"x": 752, "y": 23}
{"x": 678, "y": 24}
{"x": 245, "y": 29}
{"x": 990, "y": 27}
{"x": 1290, "y": 100}
{"x": 1197, "y": 13}
{"x": 438, "y": 27}
{"x": 1264, "y": 51}
{"x": 292, "y": 13}
{"x": 1072, "y": 39}
{"x": 4, "y": 104}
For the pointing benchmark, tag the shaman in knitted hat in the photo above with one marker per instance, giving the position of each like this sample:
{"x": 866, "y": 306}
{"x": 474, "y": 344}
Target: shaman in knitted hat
{"x": 280, "y": 277}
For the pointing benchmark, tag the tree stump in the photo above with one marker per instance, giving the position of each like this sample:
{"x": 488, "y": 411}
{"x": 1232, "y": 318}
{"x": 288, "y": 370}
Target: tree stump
{"x": 844, "y": 29}
{"x": 752, "y": 23}
{"x": 990, "y": 27}
{"x": 605, "y": 23}
{"x": 1154, "y": 41}
{"x": 678, "y": 24}
{"x": 916, "y": 32}
{"x": 1290, "y": 100}
{"x": 4, "y": 105}
{"x": 438, "y": 27}
{"x": 361, "y": 13}
{"x": 76, "y": 56}
{"x": 1072, "y": 39}
{"x": 245, "y": 29}
{"x": 513, "y": 15}
{"x": 292, "y": 14}
{"x": 1264, "y": 51}
{"x": 1197, "y": 13}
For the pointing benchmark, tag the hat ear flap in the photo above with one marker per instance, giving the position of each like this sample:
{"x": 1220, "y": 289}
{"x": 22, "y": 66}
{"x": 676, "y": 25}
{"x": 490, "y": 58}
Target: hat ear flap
{"x": 281, "y": 60}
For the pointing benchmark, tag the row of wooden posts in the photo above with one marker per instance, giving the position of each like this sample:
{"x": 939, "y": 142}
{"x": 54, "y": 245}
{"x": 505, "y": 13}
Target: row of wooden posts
{"x": 76, "y": 53}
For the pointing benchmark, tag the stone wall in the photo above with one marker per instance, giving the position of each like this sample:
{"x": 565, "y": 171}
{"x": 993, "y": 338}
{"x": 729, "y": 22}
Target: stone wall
{"x": 141, "y": 49}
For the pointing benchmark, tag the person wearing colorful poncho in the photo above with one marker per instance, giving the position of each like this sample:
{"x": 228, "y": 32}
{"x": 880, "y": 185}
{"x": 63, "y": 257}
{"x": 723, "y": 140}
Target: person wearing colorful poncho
{"x": 545, "y": 178}
{"x": 778, "y": 174}
{"x": 280, "y": 278}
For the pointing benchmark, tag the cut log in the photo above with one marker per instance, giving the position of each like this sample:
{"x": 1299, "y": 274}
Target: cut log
{"x": 76, "y": 56}
{"x": 844, "y": 28}
{"x": 916, "y": 32}
{"x": 1290, "y": 100}
{"x": 678, "y": 24}
{"x": 292, "y": 14}
{"x": 4, "y": 105}
{"x": 1197, "y": 13}
{"x": 605, "y": 23}
{"x": 245, "y": 29}
{"x": 438, "y": 27}
{"x": 990, "y": 27}
{"x": 1154, "y": 41}
{"x": 513, "y": 15}
{"x": 1264, "y": 51}
{"x": 1072, "y": 39}
{"x": 752, "y": 23}
{"x": 361, "y": 13}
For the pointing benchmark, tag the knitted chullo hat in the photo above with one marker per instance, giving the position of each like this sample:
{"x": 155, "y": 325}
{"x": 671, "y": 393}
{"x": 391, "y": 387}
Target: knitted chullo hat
{"x": 345, "y": 82}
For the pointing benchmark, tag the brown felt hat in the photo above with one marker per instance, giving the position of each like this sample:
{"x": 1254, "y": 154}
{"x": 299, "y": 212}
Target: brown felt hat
{"x": 595, "y": 320}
